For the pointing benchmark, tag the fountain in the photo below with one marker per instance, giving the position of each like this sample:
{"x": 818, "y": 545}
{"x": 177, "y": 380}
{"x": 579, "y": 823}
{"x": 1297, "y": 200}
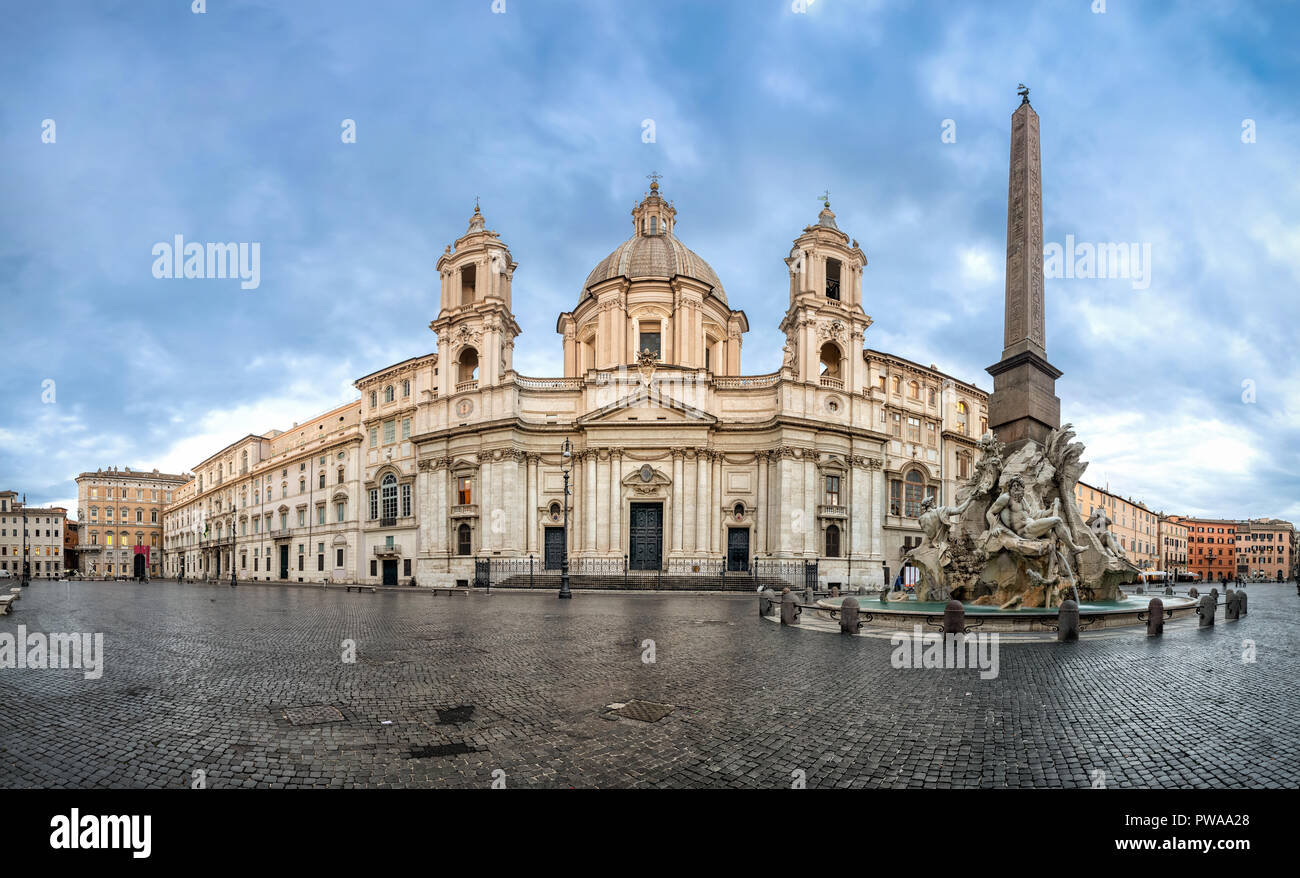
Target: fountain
{"x": 1014, "y": 545}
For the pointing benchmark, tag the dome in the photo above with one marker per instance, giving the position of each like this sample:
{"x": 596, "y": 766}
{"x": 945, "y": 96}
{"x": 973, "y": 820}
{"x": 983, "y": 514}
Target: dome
{"x": 659, "y": 256}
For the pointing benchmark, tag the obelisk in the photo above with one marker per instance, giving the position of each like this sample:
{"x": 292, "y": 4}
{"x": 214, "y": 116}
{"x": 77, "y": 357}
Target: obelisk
{"x": 1024, "y": 404}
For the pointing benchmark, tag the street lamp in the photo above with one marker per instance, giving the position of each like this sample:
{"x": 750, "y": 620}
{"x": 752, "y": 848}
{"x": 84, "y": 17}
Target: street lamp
{"x": 27, "y": 565}
{"x": 232, "y": 551}
{"x": 565, "y": 457}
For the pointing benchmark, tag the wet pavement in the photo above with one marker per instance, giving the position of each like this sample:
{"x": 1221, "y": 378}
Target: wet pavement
{"x": 251, "y": 687}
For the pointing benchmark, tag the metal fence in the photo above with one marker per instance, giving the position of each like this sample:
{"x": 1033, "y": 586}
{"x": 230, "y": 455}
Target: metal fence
{"x": 614, "y": 573}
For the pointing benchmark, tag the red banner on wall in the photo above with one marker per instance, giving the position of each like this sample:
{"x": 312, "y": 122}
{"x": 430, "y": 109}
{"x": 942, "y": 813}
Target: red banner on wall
{"x": 143, "y": 550}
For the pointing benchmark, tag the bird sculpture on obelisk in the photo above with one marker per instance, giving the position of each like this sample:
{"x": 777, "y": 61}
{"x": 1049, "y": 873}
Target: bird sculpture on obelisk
{"x": 1024, "y": 405}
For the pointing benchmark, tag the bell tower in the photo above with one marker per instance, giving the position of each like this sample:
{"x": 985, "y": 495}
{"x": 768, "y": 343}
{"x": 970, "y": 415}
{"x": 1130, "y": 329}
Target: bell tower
{"x": 825, "y": 323}
{"x": 476, "y": 328}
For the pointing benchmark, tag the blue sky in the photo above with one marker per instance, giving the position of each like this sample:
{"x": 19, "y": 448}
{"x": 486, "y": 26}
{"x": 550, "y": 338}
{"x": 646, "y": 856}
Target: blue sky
{"x": 225, "y": 126}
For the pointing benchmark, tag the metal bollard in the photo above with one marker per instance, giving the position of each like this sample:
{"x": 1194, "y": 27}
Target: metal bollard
{"x": 849, "y": 623}
{"x": 1155, "y": 618}
{"x": 1067, "y": 622}
{"x": 1206, "y": 611}
{"x": 954, "y": 617}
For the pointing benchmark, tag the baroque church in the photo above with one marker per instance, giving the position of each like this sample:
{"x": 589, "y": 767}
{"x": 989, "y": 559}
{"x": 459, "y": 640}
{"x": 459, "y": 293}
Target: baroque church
{"x": 673, "y": 459}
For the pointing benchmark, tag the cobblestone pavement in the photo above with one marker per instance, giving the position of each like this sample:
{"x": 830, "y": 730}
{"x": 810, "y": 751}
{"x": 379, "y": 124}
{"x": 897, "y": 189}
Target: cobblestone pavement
{"x": 447, "y": 690}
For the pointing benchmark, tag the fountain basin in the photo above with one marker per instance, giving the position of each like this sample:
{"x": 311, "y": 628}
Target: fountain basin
{"x": 1093, "y": 616}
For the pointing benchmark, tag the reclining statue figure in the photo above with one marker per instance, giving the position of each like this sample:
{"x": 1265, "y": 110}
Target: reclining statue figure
{"x": 1012, "y": 512}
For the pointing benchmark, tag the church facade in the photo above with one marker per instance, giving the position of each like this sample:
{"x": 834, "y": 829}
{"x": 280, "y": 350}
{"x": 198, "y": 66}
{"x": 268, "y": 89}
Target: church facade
{"x": 674, "y": 459}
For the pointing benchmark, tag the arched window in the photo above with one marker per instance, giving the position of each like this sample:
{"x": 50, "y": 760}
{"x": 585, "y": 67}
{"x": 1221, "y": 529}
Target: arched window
{"x": 388, "y": 393}
{"x": 914, "y": 488}
{"x": 467, "y": 366}
{"x": 654, "y": 225}
{"x": 406, "y": 388}
{"x": 830, "y": 360}
{"x": 388, "y": 492}
{"x": 340, "y": 475}
{"x": 914, "y": 390}
{"x": 463, "y": 540}
{"x": 897, "y": 384}
{"x": 833, "y": 279}
{"x": 833, "y": 541}
{"x": 963, "y": 419}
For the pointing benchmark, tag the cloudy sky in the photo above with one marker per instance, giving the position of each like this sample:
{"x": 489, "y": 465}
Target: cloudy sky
{"x": 1173, "y": 128}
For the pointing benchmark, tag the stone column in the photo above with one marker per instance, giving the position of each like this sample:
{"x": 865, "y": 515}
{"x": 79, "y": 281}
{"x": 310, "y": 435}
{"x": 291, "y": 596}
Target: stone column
{"x": 530, "y": 508}
{"x": 715, "y": 505}
{"x": 678, "y": 509}
{"x": 879, "y": 497}
{"x": 486, "y": 478}
{"x": 602, "y": 498}
{"x": 810, "y": 534}
{"x": 616, "y": 541}
{"x": 520, "y": 524}
{"x": 702, "y": 467}
{"x": 760, "y": 515}
{"x": 589, "y": 495}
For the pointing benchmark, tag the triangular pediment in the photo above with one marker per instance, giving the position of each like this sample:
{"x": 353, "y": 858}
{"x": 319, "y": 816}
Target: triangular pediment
{"x": 647, "y": 405}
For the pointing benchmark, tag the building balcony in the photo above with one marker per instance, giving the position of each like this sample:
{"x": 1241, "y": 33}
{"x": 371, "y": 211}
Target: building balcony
{"x": 464, "y": 511}
{"x": 88, "y": 547}
{"x": 466, "y": 386}
{"x": 280, "y": 533}
{"x": 832, "y": 383}
{"x": 388, "y": 551}
{"x": 827, "y": 511}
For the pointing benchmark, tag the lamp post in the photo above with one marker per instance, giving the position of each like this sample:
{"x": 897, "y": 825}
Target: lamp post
{"x": 232, "y": 551}
{"x": 27, "y": 565}
{"x": 565, "y": 457}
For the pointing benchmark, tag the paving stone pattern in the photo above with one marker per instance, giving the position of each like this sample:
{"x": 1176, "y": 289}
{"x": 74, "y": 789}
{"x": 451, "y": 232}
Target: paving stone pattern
{"x": 446, "y": 690}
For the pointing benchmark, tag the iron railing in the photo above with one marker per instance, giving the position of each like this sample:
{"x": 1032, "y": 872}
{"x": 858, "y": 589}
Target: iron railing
{"x": 615, "y": 573}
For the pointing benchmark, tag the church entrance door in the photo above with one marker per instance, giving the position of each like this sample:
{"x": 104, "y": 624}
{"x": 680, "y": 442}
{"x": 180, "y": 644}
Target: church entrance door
{"x": 646, "y": 536}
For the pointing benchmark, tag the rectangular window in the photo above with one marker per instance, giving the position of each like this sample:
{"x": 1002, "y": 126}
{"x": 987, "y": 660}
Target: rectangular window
{"x": 302, "y": 517}
{"x": 650, "y": 339}
{"x": 374, "y": 436}
{"x": 322, "y": 480}
{"x": 913, "y": 429}
{"x": 372, "y": 567}
{"x": 406, "y": 501}
{"x": 895, "y": 497}
{"x": 406, "y": 566}
{"x": 897, "y": 425}
{"x": 338, "y": 557}
{"x": 374, "y": 504}
{"x": 406, "y": 428}
{"x": 389, "y": 435}
{"x": 338, "y": 511}
{"x": 832, "y": 490}
{"x": 464, "y": 491}
{"x": 320, "y": 514}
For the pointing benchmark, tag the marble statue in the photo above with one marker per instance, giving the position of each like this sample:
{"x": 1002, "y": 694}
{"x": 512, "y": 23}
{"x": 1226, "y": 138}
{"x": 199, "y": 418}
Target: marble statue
{"x": 1017, "y": 538}
{"x": 1099, "y": 522}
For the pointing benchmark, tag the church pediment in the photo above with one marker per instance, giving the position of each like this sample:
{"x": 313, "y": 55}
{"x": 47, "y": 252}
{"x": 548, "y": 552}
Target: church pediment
{"x": 648, "y": 406}
{"x": 647, "y": 477}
